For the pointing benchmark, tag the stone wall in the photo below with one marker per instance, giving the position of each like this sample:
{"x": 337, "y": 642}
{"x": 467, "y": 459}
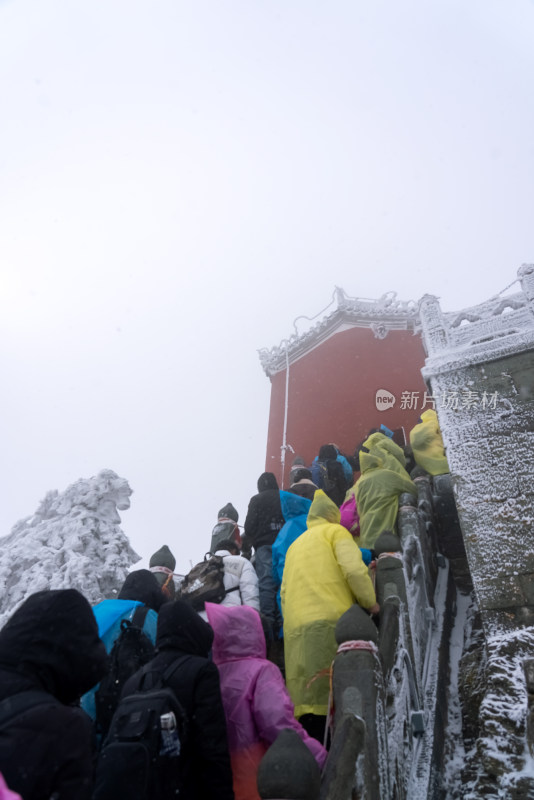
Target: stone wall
{"x": 484, "y": 397}
{"x": 480, "y": 370}
{"x": 491, "y": 456}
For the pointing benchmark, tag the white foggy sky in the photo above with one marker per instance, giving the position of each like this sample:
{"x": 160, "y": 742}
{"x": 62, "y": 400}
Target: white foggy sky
{"x": 180, "y": 180}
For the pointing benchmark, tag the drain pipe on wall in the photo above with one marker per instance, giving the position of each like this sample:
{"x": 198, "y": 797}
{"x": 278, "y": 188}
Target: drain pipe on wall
{"x": 285, "y": 446}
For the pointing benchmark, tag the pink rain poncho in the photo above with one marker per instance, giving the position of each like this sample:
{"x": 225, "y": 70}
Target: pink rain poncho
{"x": 350, "y": 519}
{"x": 256, "y": 702}
{"x": 5, "y": 793}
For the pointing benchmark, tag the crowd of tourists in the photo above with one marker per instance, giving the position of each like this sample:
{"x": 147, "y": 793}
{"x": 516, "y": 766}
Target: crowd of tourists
{"x": 177, "y": 689}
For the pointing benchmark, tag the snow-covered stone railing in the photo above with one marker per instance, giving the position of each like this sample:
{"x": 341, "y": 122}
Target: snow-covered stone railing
{"x": 459, "y": 709}
{"x": 481, "y": 332}
{"x": 440, "y": 712}
{"x": 393, "y": 745}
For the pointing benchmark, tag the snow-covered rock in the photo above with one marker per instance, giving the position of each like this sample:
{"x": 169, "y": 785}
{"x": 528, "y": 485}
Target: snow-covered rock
{"x": 73, "y": 540}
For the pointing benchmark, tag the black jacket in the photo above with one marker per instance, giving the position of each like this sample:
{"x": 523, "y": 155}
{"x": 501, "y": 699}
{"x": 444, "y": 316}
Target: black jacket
{"x": 50, "y": 644}
{"x": 338, "y": 483}
{"x": 264, "y": 516}
{"x": 206, "y": 768}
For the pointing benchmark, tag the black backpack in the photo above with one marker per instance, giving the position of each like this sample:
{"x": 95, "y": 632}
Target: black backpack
{"x": 321, "y": 476}
{"x": 141, "y": 756}
{"x": 205, "y": 583}
{"x": 131, "y": 650}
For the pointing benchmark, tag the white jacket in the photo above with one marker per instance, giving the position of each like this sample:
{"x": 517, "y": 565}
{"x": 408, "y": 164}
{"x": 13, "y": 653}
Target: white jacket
{"x": 238, "y": 571}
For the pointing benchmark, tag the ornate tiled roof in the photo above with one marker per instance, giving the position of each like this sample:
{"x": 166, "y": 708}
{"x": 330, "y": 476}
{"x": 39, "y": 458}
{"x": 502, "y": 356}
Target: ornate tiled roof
{"x": 381, "y": 316}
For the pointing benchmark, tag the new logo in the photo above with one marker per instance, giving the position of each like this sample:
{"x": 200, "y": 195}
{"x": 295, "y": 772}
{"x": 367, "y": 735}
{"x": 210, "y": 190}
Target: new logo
{"x": 384, "y": 400}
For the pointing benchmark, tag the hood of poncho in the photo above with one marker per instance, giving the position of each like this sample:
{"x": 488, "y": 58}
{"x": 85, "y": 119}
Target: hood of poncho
{"x": 323, "y": 510}
{"x": 293, "y": 505}
{"x": 238, "y": 632}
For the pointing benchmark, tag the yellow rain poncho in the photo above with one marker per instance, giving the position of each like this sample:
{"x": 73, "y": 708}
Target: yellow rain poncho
{"x": 323, "y": 576}
{"x": 377, "y": 497}
{"x": 427, "y": 444}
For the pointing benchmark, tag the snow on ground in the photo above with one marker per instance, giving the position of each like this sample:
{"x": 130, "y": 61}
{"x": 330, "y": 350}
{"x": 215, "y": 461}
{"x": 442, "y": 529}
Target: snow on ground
{"x": 455, "y": 755}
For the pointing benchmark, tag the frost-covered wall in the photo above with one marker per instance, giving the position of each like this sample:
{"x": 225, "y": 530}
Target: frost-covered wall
{"x": 73, "y": 540}
{"x": 480, "y": 369}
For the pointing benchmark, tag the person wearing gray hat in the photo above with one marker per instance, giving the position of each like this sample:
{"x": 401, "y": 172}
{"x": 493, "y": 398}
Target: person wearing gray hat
{"x": 226, "y": 528}
{"x": 162, "y": 564}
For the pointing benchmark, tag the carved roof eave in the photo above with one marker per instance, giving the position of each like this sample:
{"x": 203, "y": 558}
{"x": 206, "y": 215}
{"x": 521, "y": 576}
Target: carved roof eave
{"x": 380, "y": 320}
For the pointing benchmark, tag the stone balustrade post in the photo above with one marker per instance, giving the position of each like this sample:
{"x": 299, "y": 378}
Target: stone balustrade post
{"x": 288, "y": 771}
{"x": 433, "y": 325}
{"x": 525, "y": 273}
{"x": 391, "y": 596}
{"x": 358, "y": 755}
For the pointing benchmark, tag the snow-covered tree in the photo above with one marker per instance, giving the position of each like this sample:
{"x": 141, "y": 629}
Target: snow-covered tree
{"x": 73, "y": 540}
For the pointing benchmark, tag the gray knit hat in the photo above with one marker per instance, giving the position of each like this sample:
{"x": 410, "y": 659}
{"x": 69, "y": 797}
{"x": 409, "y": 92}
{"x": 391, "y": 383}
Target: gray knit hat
{"x": 228, "y": 511}
{"x": 163, "y": 558}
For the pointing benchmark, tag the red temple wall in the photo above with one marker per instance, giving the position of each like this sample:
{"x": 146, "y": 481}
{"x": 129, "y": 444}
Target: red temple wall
{"x": 332, "y": 393}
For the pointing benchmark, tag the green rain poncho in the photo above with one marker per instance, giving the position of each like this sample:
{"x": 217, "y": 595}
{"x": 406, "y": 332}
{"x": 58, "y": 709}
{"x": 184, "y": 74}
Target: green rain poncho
{"x": 377, "y": 497}
{"x": 390, "y": 453}
{"x": 427, "y": 444}
{"x": 323, "y": 576}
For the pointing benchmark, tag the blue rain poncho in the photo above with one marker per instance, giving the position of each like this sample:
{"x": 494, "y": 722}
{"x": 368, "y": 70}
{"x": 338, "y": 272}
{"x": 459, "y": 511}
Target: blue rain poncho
{"x": 295, "y": 510}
